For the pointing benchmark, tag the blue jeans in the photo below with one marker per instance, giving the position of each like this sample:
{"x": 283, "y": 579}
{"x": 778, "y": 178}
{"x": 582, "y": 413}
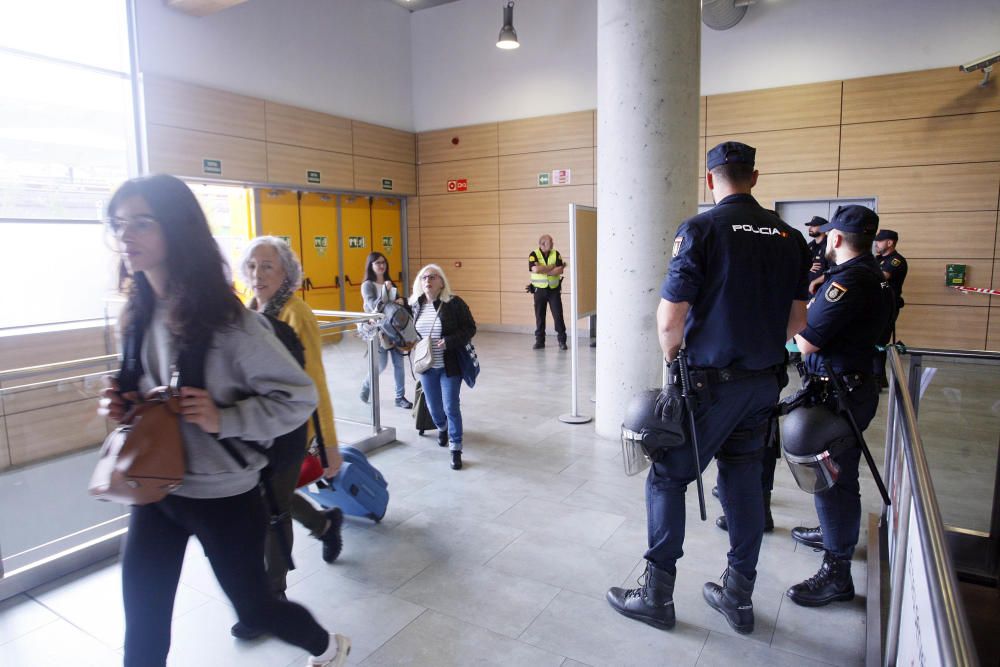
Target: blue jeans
{"x": 839, "y": 507}
{"x": 730, "y": 420}
{"x": 441, "y": 393}
{"x": 398, "y": 370}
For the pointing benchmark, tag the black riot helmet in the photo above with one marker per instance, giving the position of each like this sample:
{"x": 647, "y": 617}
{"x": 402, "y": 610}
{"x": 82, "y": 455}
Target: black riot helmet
{"x": 810, "y": 437}
{"x": 644, "y": 434}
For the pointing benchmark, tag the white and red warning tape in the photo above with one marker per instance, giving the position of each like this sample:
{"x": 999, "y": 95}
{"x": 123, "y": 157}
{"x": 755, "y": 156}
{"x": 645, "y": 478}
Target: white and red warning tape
{"x": 976, "y": 290}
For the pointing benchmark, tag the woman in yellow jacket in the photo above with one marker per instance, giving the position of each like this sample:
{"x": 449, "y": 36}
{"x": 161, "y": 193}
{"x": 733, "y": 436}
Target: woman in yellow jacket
{"x": 274, "y": 273}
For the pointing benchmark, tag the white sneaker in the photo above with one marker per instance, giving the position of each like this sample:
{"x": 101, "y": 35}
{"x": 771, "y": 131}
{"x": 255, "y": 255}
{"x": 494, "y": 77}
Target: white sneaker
{"x": 335, "y": 655}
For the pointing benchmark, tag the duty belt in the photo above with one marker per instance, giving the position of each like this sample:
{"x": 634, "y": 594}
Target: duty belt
{"x": 711, "y": 376}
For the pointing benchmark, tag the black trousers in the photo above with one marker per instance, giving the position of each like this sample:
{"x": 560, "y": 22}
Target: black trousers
{"x": 547, "y": 296}
{"x": 231, "y": 531}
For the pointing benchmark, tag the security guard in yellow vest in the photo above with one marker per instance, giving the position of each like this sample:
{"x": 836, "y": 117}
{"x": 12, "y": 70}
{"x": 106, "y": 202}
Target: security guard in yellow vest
{"x": 547, "y": 266}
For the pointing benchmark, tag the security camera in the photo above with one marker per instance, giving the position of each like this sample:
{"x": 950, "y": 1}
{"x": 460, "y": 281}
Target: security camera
{"x": 981, "y": 63}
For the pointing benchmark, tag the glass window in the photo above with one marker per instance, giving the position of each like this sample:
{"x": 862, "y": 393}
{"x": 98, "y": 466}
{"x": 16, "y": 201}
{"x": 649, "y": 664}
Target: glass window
{"x": 89, "y": 32}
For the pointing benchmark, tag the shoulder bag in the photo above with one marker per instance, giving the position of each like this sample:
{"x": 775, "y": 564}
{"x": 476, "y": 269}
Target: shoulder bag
{"x": 422, "y": 354}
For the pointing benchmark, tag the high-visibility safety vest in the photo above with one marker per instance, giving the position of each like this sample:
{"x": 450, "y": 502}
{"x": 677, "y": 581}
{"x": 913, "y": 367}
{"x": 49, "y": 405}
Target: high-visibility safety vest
{"x": 540, "y": 280}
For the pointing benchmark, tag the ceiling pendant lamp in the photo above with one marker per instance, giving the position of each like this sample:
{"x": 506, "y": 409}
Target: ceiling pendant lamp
{"x": 508, "y": 36}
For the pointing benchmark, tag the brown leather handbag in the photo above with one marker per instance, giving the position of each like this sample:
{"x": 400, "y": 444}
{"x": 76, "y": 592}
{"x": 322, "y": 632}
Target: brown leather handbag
{"x": 142, "y": 460}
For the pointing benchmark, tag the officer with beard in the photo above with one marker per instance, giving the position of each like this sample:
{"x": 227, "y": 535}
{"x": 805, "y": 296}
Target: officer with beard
{"x": 817, "y": 251}
{"x": 843, "y": 324}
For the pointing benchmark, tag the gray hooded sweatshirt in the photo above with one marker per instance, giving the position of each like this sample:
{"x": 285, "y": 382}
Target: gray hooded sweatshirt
{"x": 261, "y": 392}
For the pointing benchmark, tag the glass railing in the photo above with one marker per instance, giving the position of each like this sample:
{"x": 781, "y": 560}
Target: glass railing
{"x": 925, "y": 621}
{"x": 50, "y": 434}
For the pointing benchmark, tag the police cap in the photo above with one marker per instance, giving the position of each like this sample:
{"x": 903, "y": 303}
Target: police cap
{"x": 853, "y": 219}
{"x": 816, "y": 221}
{"x": 886, "y": 235}
{"x": 730, "y": 152}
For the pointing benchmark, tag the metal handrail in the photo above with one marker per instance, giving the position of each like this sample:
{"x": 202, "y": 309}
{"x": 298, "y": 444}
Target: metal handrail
{"x": 951, "y": 625}
{"x": 72, "y": 364}
{"x": 980, "y": 355}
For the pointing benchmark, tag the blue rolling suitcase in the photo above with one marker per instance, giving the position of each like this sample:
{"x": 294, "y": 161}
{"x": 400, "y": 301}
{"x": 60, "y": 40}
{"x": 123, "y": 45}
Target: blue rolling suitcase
{"x": 358, "y": 489}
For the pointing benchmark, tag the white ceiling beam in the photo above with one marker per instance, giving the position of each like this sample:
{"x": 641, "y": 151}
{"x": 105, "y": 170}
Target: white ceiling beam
{"x": 201, "y": 7}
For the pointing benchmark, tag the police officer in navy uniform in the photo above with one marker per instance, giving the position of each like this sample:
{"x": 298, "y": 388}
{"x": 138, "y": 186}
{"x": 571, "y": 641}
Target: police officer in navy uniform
{"x": 844, "y": 322}
{"x": 894, "y": 269}
{"x": 817, "y": 251}
{"x": 735, "y": 291}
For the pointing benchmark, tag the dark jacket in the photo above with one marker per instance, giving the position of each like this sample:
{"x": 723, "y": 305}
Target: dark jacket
{"x": 457, "y": 329}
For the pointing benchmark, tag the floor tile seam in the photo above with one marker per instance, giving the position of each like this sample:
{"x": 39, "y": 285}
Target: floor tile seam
{"x": 417, "y": 574}
{"x": 520, "y": 637}
{"x": 60, "y": 617}
{"x": 704, "y": 643}
{"x": 599, "y": 597}
{"x": 35, "y": 629}
{"x": 398, "y": 632}
{"x": 781, "y": 605}
{"x": 566, "y": 501}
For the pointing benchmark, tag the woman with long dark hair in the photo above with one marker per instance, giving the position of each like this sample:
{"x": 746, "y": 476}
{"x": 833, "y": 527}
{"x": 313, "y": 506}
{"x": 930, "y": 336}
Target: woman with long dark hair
{"x": 179, "y": 300}
{"x": 376, "y": 291}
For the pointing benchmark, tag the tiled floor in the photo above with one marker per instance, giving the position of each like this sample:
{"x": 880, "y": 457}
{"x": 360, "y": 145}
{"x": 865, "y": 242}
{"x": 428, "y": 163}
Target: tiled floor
{"x": 503, "y": 563}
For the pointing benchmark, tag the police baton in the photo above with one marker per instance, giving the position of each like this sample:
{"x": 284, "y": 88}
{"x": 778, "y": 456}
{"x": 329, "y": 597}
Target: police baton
{"x": 688, "y": 397}
{"x": 840, "y": 393}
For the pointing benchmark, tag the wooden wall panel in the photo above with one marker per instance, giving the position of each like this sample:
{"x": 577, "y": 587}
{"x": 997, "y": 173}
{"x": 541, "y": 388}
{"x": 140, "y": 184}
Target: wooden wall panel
{"x": 521, "y": 171}
{"x": 993, "y": 339}
{"x": 702, "y": 116}
{"x": 481, "y": 275}
{"x": 945, "y": 327}
{"x": 311, "y": 129}
{"x": 384, "y": 143}
{"x": 925, "y": 282}
{"x": 180, "y": 152}
{"x": 948, "y": 234}
{"x": 481, "y": 174}
{"x": 959, "y": 187}
{"x": 905, "y": 143}
{"x": 806, "y": 185}
{"x": 369, "y": 172}
{"x": 289, "y": 164}
{"x": 786, "y": 151}
{"x": 517, "y": 241}
{"x": 936, "y": 92}
{"x": 518, "y": 310}
{"x": 542, "y": 204}
{"x": 413, "y": 211}
{"x": 178, "y": 104}
{"x": 485, "y": 306}
{"x": 482, "y": 208}
{"x": 34, "y": 349}
{"x": 413, "y": 243}
{"x": 811, "y": 105}
{"x": 473, "y": 141}
{"x": 547, "y": 133}
{"x": 467, "y": 242}
{"x": 40, "y": 434}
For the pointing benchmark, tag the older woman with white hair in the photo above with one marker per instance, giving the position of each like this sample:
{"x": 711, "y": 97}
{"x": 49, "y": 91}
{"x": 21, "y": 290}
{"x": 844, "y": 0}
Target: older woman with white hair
{"x": 446, "y": 319}
{"x": 273, "y": 272}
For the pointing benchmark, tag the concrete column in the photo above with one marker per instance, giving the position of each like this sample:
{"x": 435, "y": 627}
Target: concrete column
{"x": 648, "y": 82}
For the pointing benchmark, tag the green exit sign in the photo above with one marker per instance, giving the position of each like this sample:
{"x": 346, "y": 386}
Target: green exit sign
{"x": 211, "y": 167}
{"x": 312, "y": 176}
{"x": 387, "y": 184}
{"x": 543, "y": 179}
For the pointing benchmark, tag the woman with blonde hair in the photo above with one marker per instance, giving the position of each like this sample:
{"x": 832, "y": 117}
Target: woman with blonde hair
{"x": 446, "y": 319}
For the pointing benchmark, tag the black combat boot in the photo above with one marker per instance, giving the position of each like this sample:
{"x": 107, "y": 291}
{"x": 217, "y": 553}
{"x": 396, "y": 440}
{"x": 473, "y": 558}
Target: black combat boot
{"x": 768, "y": 519}
{"x": 652, "y": 602}
{"x": 732, "y": 599}
{"x": 833, "y": 582}
{"x": 811, "y": 537}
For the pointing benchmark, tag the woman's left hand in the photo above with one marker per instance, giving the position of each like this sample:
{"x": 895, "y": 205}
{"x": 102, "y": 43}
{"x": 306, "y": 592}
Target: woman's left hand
{"x": 197, "y": 407}
{"x": 334, "y": 461}
{"x": 440, "y": 344}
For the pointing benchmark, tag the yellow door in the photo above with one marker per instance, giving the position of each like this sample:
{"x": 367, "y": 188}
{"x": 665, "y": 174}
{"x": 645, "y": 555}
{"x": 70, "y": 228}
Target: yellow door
{"x": 320, "y": 251}
{"x": 387, "y": 238}
{"x": 356, "y": 243}
{"x": 278, "y": 212}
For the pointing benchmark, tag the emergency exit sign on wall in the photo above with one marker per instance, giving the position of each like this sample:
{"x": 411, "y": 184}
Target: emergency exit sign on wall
{"x": 387, "y": 184}
{"x": 211, "y": 167}
{"x": 313, "y": 176}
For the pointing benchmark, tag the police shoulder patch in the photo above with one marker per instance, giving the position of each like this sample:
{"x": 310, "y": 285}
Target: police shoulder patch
{"x": 678, "y": 242}
{"x": 896, "y": 262}
{"x": 834, "y": 292}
